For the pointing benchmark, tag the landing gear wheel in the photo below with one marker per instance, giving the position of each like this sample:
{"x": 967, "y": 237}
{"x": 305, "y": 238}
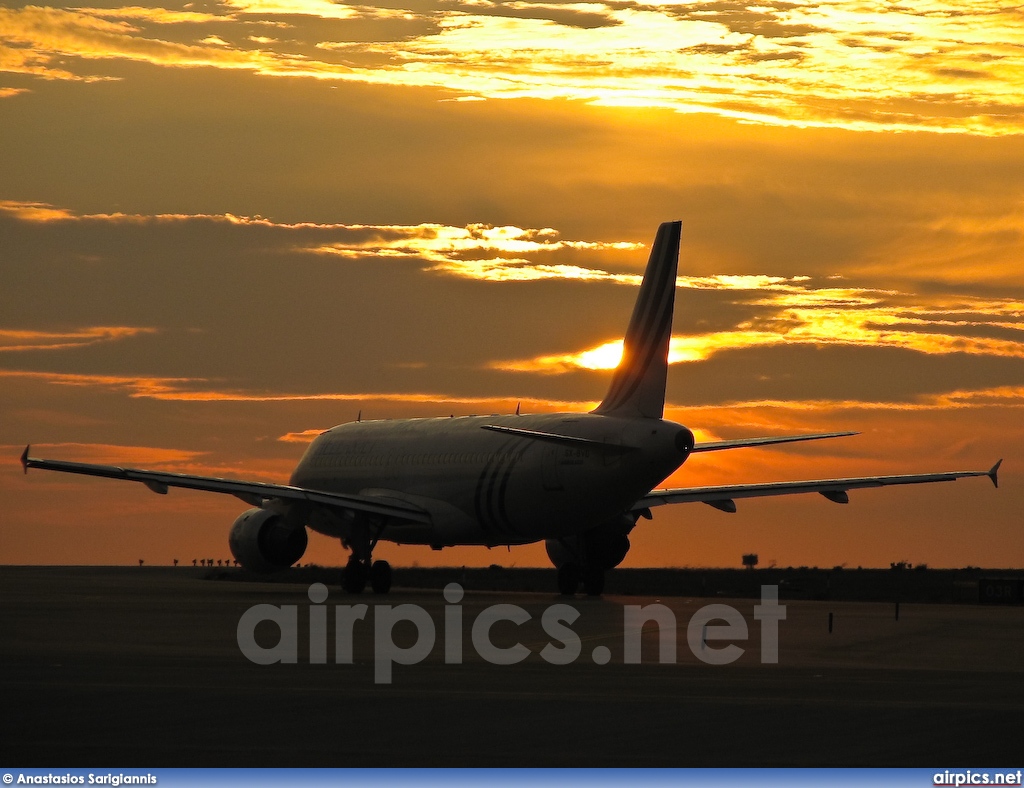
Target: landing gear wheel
{"x": 353, "y": 579}
{"x": 380, "y": 577}
{"x": 568, "y": 579}
{"x": 593, "y": 582}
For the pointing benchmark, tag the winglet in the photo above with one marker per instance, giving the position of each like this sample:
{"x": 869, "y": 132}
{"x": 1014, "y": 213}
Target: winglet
{"x": 993, "y": 474}
{"x": 24, "y": 458}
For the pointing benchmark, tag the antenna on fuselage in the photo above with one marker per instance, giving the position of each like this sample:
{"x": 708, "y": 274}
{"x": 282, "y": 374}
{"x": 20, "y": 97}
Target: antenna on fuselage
{"x": 359, "y": 417}
{"x": 517, "y": 407}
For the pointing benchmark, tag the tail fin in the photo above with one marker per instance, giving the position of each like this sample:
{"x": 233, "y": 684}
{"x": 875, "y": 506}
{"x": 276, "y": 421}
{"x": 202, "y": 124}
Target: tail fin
{"x": 638, "y": 383}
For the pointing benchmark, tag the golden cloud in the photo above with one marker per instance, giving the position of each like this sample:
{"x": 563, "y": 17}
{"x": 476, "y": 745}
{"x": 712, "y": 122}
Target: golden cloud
{"x": 457, "y": 250}
{"x": 446, "y": 249}
{"x": 476, "y": 251}
{"x": 33, "y": 37}
{"x": 160, "y": 16}
{"x": 828, "y": 316}
{"x": 935, "y": 66}
{"x": 322, "y": 9}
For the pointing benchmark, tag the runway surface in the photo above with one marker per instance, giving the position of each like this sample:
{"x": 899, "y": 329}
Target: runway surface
{"x": 142, "y": 667}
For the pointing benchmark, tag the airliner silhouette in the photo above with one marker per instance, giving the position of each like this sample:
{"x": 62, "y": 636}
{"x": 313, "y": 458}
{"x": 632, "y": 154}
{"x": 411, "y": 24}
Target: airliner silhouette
{"x": 577, "y": 481}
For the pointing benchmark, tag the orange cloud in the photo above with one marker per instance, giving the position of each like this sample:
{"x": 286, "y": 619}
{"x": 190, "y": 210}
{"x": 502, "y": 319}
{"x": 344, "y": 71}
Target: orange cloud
{"x": 197, "y": 390}
{"x": 112, "y": 454}
{"x": 306, "y": 436}
{"x": 16, "y": 340}
{"x": 193, "y": 390}
{"x": 960, "y": 399}
{"x": 151, "y": 457}
{"x": 34, "y": 211}
{"x": 134, "y": 386}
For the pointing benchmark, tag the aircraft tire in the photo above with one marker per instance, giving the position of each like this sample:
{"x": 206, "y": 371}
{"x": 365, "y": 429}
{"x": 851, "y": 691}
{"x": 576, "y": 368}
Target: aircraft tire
{"x": 380, "y": 577}
{"x": 593, "y": 581}
{"x": 354, "y": 578}
{"x": 568, "y": 579}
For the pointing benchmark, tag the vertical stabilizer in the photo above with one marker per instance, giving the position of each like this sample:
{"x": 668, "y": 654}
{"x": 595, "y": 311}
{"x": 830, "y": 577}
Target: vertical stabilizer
{"x": 638, "y": 383}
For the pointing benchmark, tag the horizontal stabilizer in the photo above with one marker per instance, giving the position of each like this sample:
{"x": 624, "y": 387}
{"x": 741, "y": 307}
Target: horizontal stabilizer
{"x": 743, "y": 443}
{"x": 553, "y": 437}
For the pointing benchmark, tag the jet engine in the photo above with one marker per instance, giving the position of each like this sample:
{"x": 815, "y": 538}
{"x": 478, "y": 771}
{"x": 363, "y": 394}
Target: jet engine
{"x": 603, "y": 547}
{"x": 264, "y": 541}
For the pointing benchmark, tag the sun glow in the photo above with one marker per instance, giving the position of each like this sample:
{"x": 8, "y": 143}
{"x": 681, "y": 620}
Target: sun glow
{"x": 828, "y": 317}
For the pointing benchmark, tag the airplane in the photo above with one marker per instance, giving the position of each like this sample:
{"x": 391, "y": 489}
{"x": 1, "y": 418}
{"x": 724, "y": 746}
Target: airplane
{"x": 580, "y": 482}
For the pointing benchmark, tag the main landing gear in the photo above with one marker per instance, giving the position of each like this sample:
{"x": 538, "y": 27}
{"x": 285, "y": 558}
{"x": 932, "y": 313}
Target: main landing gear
{"x": 358, "y": 572}
{"x": 584, "y": 558}
{"x": 570, "y": 576}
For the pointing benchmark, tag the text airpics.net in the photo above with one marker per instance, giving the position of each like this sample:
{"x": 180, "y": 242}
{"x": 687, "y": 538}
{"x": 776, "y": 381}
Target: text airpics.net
{"x": 710, "y": 623}
{"x": 968, "y": 777}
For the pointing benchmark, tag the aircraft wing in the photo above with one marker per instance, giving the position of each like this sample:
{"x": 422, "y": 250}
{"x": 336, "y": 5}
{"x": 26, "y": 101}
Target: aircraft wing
{"x": 724, "y": 497}
{"x": 253, "y": 493}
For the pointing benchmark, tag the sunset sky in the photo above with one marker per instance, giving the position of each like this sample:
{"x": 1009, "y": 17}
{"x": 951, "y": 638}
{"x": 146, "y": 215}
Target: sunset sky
{"x": 227, "y": 226}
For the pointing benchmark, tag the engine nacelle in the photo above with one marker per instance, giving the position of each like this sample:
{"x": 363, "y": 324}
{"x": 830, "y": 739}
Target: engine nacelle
{"x": 602, "y": 548}
{"x": 264, "y": 541}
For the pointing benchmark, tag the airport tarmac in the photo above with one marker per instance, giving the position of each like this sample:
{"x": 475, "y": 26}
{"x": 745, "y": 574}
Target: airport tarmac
{"x": 142, "y": 667}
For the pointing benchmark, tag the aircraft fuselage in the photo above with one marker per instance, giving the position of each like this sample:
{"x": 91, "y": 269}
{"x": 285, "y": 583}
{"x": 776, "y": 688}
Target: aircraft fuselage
{"x": 490, "y": 488}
